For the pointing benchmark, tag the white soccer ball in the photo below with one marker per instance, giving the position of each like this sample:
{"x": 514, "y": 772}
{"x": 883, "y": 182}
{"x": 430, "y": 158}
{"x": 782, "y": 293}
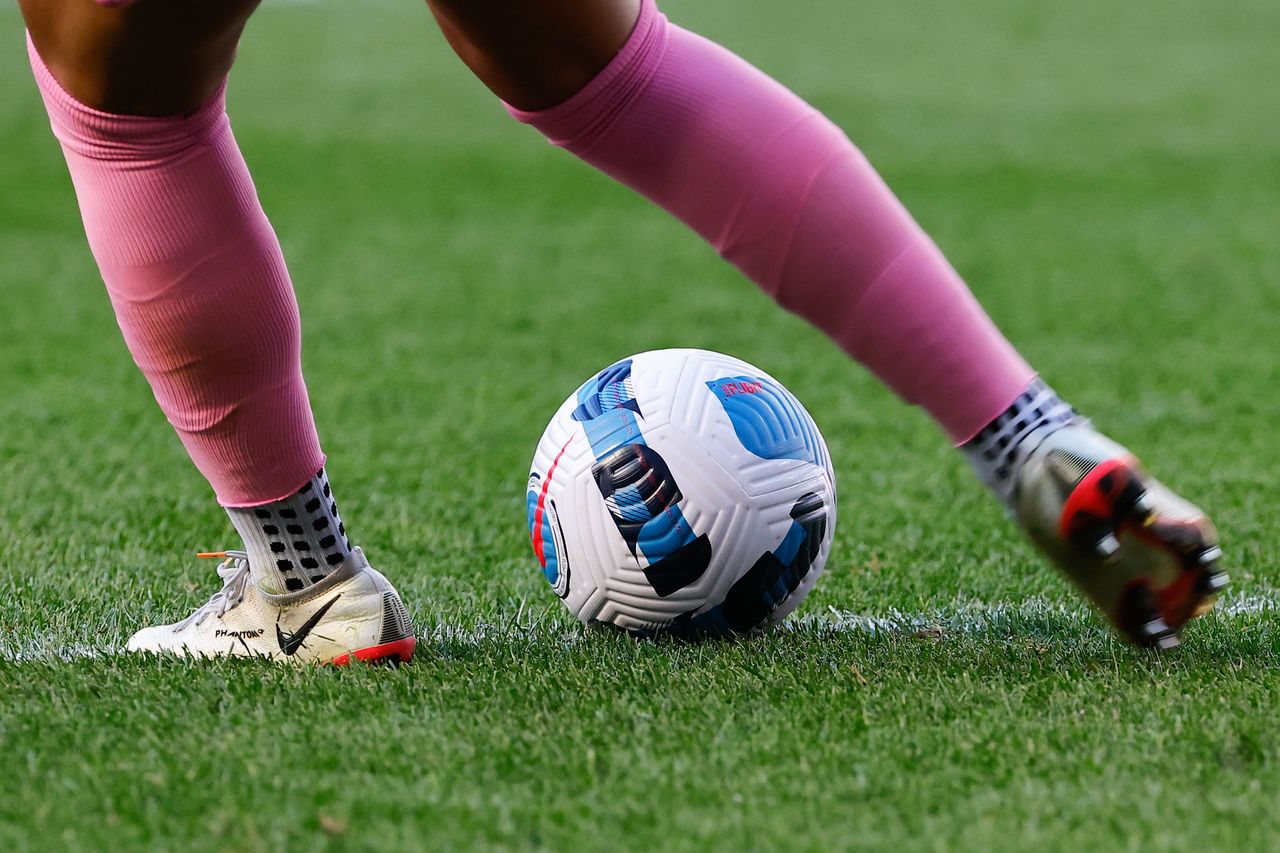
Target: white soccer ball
{"x": 682, "y": 491}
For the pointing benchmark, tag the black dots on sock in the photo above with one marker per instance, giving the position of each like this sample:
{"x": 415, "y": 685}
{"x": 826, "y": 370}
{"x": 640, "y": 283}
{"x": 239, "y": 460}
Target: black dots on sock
{"x": 304, "y": 534}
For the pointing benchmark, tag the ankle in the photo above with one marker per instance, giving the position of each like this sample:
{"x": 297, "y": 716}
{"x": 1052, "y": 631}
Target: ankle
{"x": 997, "y": 452}
{"x": 296, "y": 542}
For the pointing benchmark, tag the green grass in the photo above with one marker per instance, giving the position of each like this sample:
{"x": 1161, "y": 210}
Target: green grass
{"x": 1103, "y": 174}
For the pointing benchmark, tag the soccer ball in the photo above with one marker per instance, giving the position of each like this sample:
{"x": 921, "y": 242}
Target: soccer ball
{"x": 682, "y": 492}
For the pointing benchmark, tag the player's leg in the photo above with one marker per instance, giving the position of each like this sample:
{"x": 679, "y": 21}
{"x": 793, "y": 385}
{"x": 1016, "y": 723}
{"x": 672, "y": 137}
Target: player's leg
{"x": 782, "y": 193}
{"x": 200, "y": 290}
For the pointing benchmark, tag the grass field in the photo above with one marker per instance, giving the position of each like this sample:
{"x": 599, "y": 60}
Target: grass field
{"x": 1104, "y": 174}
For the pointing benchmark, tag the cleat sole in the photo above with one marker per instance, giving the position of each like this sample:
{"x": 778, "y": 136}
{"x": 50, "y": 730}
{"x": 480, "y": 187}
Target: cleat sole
{"x": 1111, "y": 501}
{"x": 395, "y": 653}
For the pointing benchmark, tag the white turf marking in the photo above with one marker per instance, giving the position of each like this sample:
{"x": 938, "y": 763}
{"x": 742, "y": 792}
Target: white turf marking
{"x": 969, "y": 618}
{"x": 973, "y": 617}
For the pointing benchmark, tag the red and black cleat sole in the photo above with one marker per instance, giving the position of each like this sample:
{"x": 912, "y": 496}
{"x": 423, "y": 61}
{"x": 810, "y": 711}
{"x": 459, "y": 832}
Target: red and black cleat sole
{"x": 1112, "y": 498}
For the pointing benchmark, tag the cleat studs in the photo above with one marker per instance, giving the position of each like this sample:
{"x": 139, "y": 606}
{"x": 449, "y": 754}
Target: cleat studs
{"x": 1144, "y": 508}
{"x": 1215, "y": 582}
{"x": 1107, "y": 546}
{"x": 1210, "y": 554}
{"x": 1157, "y": 633}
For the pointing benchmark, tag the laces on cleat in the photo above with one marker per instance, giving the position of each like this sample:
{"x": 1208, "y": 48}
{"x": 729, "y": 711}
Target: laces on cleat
{"x": 233, "y": 571}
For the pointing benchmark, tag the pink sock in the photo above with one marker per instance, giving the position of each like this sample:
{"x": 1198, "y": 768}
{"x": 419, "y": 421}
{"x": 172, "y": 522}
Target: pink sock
{"x": 782, "y": 194}
{"x": 199, "y": 287}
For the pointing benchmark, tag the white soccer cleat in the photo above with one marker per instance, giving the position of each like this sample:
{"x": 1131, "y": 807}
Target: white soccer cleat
{"x": 1147, "y": 558}
{"x": 354, "y": 614}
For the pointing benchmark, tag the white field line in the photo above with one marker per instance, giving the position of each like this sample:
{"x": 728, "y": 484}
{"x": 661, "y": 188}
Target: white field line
{"x": 969, "y": 618}
{"x": 974, "y": 617}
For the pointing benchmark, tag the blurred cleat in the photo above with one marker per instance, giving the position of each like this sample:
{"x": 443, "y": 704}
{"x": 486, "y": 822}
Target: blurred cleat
{"x": 1148, "y": 559}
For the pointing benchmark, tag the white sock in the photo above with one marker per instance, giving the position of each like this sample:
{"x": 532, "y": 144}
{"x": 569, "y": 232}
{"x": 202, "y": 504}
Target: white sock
{"x": 997, "y": 452}
{"x": 295, "y": 542}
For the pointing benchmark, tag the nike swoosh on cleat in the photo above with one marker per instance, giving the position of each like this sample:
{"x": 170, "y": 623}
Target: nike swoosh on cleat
{"x": 290, "y": 643}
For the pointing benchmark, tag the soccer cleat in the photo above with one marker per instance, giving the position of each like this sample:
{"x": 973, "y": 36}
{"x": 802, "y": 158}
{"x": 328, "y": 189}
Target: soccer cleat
{"x": 354, "y": 614}
{"x": 1148, "y": 559}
